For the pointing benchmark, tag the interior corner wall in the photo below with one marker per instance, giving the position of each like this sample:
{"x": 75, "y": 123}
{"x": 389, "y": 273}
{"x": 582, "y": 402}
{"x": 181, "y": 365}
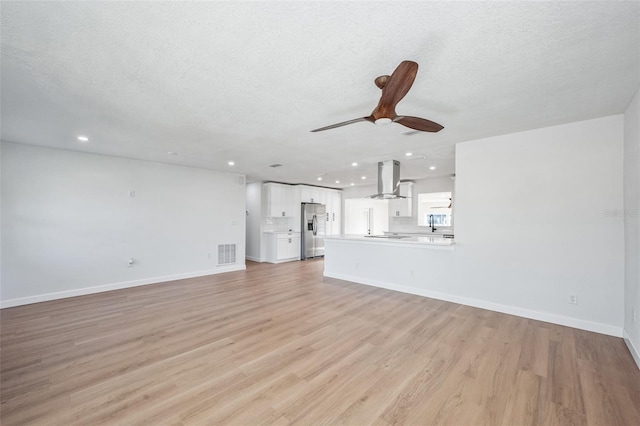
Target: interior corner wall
{"x": 631, "y": 215}
{"x": 537, "y": 219}
{"x": 71, "y": 221}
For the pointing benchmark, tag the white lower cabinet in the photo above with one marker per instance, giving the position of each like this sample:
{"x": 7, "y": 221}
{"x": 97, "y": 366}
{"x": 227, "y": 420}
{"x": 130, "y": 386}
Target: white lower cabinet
{"x": 283, "y": 247}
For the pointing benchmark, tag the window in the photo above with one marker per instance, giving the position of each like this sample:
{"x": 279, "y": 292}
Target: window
{"x": 437, "y": 206}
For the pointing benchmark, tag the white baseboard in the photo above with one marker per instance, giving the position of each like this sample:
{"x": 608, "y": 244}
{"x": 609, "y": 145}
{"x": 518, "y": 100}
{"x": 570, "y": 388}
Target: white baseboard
{"x": 293, "y": 259}
{"x": 634, "y": 351}
{"x": 254, "y": 259}
{"x": 114, "y": 286}
{"x": 483, "y": 304}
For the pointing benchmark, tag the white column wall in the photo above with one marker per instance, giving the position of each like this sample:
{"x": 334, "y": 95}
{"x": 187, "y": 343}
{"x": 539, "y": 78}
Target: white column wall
{"x": 632, "y": 226}
{"x": 534, "y": 224}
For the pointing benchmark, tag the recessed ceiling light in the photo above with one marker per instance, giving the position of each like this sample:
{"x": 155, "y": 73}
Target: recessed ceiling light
{"x": 409, "y": 154}
{"x": 231, "y": 163}
{"x": 172, "y": 153}
{"x": 354, "y": 164}
{"x": 337, "y": 181}
{"x": 83, "y": 139}
{"x": 432, "y": 168}
{"x": 319, "y": 178}
{"x": 352, "y": 183}
{"x": 363, "y": 177}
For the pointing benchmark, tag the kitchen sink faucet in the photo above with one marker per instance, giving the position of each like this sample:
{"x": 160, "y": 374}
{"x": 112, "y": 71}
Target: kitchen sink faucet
{"x": 432, "y": 223}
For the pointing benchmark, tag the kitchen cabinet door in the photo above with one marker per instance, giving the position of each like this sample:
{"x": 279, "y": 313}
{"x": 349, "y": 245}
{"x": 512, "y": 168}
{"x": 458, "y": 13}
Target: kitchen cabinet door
{"x": 288, "y": 200}
{"x": 328, "y": 202}
{"x": 287, "y": 248}
{"x": 336, "y": 213}
{"x": 280, "y": 200}
{"x": 305, "y": 194}
{"x": 402, "y": 207}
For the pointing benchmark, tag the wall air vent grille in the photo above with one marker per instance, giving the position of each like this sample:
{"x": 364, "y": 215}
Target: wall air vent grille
{"x": 275, "y": 165}
{"x": 226, "y": 254}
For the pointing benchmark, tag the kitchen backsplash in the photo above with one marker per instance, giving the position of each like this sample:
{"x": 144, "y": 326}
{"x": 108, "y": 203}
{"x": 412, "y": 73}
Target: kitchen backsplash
{"x": 405, "y": 224}
{"x": 278, "y": 224}
{"x": 409, "y": 224}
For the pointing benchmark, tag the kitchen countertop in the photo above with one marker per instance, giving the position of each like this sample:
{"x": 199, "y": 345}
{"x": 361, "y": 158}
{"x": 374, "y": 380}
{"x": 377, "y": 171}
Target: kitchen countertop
{"x": 427, "y": 241}
{"x": 439, "y": 232}
{"x": 281, "y": 232}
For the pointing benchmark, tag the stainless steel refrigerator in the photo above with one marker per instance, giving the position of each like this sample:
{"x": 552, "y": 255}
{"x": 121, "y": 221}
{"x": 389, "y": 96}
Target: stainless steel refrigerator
{"x": 312, "y": 230}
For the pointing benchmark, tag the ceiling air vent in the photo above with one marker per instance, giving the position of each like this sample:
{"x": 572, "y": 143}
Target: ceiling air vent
{"x": 275, "y": 165}
{"x": 226, "y": 254}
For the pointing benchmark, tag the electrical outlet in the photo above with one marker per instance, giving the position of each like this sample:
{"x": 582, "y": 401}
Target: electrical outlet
{"x": 411, "y": 272}
{"x": 132, "y": 193}
{"x": 357, "y": 265}
{"x": 209, "y": 255}
{"x": 131, "y": 262}
{"x": 572, "y": 299}
{"x": 634, "y": 314}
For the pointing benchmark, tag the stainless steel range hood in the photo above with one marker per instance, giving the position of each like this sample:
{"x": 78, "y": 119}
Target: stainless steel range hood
{"x": 388, "y": 180}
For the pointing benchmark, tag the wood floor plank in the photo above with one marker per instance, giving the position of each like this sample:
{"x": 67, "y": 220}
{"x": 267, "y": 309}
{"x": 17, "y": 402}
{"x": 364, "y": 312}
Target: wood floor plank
{"x": 522, "y": 405}
{"x": 534, "y": 355}
{"x": 281, "y": 344}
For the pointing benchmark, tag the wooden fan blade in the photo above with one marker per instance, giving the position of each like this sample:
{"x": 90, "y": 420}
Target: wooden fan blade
{"x": 395, "y": 88}
{"x": 418, "y": 123}
{"x": 344, "y": 123}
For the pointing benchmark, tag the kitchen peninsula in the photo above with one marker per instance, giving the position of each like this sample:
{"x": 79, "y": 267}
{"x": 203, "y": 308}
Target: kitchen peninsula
{"x": 429, "y": 241}
{"x": 412, "y": 264}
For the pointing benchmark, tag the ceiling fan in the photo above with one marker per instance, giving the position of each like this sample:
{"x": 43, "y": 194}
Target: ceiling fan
{"x": 394, "y": 88}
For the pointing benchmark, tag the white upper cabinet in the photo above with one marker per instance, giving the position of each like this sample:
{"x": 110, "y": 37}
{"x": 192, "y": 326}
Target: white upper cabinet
{"x": 310, "y": 194}
{"x": 332, "y": 199}
{"x": 402, "y": 207}
{"x": 280, "y": 200}
{"x": 335, "y": 213}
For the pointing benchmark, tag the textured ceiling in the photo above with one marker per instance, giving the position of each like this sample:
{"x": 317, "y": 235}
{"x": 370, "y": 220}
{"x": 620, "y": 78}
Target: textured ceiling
{"x": 246, "y": 81}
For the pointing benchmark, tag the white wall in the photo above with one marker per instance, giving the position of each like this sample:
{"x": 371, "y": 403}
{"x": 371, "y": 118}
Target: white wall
{"x": 632, "y": 225}
{"x": 69, "y": 225}
{"x": 254, "y": 220}
{"x": 362, "y": 191}
{"x": 354, "y": 222}
{"x": 532, "y": 219}
{"x": 531, "y": 228}
{"x": 354, "y": 200}
{"x": 1, "y": 223}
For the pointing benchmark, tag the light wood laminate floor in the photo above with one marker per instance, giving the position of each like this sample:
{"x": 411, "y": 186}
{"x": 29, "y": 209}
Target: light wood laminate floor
{"x": 280, "y": 344}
